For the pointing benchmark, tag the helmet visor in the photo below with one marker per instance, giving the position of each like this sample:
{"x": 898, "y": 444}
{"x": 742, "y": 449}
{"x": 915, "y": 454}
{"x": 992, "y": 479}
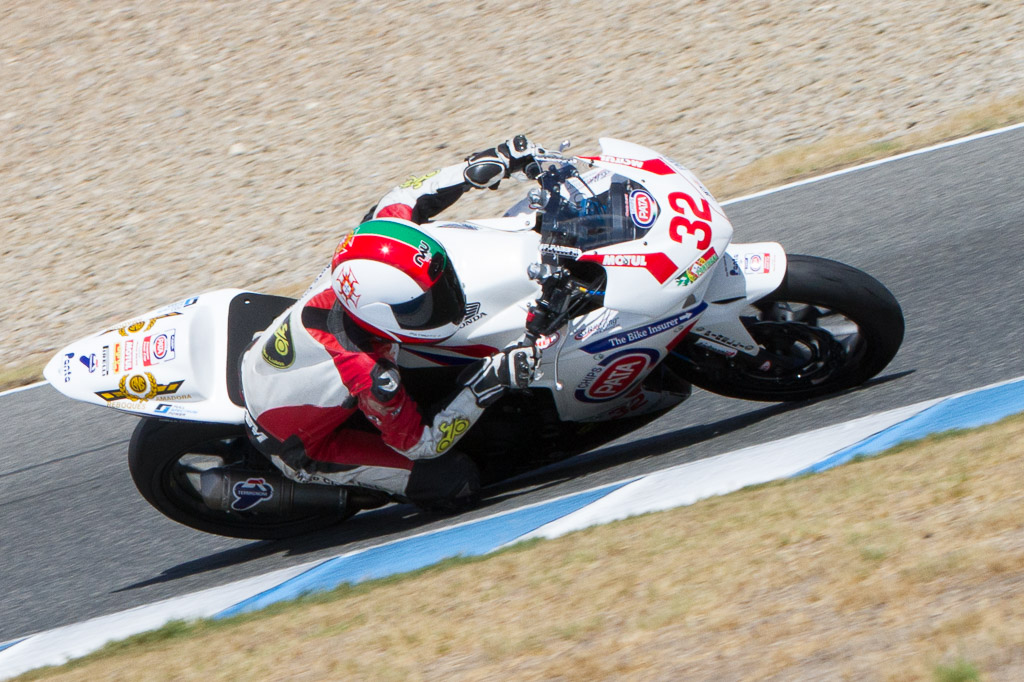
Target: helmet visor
{"x": 440, "y": 305}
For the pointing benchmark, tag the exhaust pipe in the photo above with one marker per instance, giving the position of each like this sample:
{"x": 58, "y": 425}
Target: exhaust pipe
{"x": 234, "y": 490}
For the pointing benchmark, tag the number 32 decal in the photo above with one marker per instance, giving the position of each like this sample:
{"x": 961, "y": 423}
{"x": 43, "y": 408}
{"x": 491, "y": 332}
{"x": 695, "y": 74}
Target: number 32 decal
{"x": 680, "y": 224}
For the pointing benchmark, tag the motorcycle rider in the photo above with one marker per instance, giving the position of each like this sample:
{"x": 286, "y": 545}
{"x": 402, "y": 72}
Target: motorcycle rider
{"x": 333, "y": 352}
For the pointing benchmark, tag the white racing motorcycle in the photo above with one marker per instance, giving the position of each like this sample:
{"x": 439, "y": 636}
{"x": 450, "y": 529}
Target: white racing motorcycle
{"x": 620, "y": 267}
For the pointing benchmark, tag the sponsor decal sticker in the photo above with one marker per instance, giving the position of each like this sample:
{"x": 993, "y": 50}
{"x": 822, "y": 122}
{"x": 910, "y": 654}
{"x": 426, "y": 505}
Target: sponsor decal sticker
{"x": 422, "y": 256}
{"x": 656, "y": 166}
{"x": 558, "y": 250}
{"x": 247, "y": 494}
{"x": 344, "y": 244}
{"x": 606, "y": 321}
{"x": 658, "y": 264}
{"x": 715, "y": 348}
{"x": 643, "y": 208}
{"x": 472, "y": 314}
{"x": 630, "y": 336}
{"x": 278, "y": 351}
{"x": 254, "y": 428}
{"x": 345, "y": 286}
{"x": 89, "y": 361}
{"x": 615, "y": 375}
{"x": 68, "y": 357}
{"x": 682, "y": 203}
{"x": 757, "y": 263}
{"x": 170, "y": 410}
{"x": 548, "y": 341}
{"x": 129, "y": 355}
{"x": 140, "y": 387}
{"x": 157, "y": 349}
{"x": 451, "y": 430}
{"x": 146, "y": 325}
{"x": 699, "y": 267}
{"x": 629, "y": 260}
{"x": 105, "y": 360}
{"x": 416, "y": 182}
{"x": 637, "y": 400}
{"x": 722, "y": 339}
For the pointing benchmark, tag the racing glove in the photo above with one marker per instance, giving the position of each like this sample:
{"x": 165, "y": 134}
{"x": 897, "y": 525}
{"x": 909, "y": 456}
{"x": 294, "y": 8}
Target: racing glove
{"x": 512, "y": 369}
{"x": 491, "y": 166}
{"x": 519, "y": 151}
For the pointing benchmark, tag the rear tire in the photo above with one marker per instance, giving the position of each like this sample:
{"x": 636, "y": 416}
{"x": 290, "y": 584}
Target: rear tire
{"x": 831, "y": 326}
{"x": 165, "y": 458}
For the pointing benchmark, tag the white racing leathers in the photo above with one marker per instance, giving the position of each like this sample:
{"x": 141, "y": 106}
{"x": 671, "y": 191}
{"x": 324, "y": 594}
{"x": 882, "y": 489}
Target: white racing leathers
{"x": 313, "y": 368}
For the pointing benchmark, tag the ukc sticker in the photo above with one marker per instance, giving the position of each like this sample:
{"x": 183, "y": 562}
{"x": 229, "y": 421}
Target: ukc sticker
{"x": 643, "y": 209}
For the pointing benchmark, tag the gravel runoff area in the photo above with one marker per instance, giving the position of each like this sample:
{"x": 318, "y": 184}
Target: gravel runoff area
{"x": 151, "y": 150}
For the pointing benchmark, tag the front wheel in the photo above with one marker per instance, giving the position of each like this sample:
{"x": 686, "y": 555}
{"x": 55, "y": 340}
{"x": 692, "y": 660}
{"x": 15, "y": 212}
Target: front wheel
{"x": 826, "y": 328}
{"x": 167, "y": 460}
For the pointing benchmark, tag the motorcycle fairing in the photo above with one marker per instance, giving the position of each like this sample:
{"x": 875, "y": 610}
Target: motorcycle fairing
{"x": 169, "y": 363}
{"x": 688, "y": 232}
{"x": 740, "y": 279}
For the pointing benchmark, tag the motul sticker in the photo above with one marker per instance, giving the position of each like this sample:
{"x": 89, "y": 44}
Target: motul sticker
{"x": 629, "y": 260}
{"x": 129, "y": 355}
{"x": 658, "y": 264}
{"x": 615, "y": 375}
{"x": 643, "y": 209}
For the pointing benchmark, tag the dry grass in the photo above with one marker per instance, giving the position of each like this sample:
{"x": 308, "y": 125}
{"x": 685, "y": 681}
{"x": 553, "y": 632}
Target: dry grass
{"x": 29, "y": 370}
{"x": 905, "y": 566}
{"x": 841, "y": 151}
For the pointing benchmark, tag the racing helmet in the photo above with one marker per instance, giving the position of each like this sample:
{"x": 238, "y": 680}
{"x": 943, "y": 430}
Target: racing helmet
{"x": 398, "y": 283}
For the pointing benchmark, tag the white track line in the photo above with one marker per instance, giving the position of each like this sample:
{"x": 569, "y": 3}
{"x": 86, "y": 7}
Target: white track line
{"x": 22, "y": 388}
{"x": 879, "y": 162}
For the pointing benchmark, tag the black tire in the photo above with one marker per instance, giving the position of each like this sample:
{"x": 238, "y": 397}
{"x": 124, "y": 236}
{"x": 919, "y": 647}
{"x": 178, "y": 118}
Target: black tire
{"x": 155, "y": 459}
{"x": 831, "y": 326}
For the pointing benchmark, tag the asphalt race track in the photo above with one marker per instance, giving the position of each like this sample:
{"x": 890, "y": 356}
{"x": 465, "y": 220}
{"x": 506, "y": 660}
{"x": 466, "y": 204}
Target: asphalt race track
{"x": 943, "y": 230}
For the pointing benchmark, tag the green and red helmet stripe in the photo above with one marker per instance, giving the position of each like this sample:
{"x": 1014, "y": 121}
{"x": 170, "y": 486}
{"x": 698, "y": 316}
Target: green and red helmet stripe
{"x": 396, "y": 244}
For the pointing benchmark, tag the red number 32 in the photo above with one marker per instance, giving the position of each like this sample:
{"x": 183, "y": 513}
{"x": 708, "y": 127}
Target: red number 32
{"x": 681, "y": 224}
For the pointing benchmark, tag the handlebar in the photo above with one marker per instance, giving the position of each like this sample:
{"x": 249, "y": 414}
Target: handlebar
{"x": 560, "y": 292}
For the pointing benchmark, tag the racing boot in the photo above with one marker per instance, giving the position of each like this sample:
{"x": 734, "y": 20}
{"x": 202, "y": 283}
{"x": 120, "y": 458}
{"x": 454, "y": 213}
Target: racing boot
{"x": 449, "y": 483}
